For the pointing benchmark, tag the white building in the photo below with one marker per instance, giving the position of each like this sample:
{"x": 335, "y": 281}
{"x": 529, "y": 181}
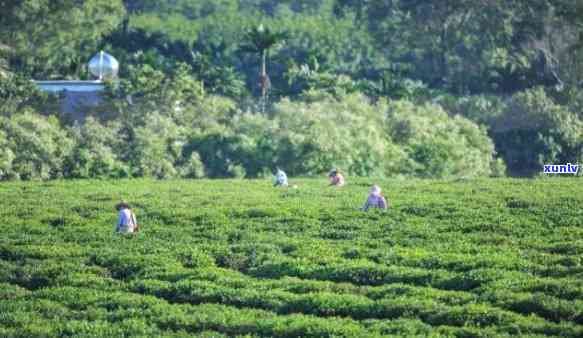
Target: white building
{"x": 78, "y": 96}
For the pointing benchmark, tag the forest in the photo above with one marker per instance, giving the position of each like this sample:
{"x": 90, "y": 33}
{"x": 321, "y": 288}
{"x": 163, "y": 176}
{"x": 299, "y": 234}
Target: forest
{"x": 234, "y": 88}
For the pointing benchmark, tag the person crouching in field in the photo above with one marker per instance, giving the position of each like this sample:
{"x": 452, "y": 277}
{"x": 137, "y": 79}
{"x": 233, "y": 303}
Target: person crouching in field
{"x": 127, "y": 222}
{"x": 280, "y": 179}
{"x": 375, "y": 199}
{"x": 336, "y": 178}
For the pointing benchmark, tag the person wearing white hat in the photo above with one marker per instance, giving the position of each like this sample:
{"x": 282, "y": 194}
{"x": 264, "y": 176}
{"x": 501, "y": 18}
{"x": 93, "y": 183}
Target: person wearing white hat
{"x": 280, "y": 179}
{"x": 375, "y": 199}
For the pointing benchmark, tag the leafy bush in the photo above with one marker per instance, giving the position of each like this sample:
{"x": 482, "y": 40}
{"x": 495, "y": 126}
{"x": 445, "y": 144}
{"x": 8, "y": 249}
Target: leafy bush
{"x": 36, "y": 147}
{"x": 156, "y": 147}
{"x": 534, "y": 131}
{"x": 432, "y": 144}
{"x": 6, "y": 157}
{"x": 314, "y": 137}
{"x": 481, "y": 109}
{"x": 192, "y": 167}
{"x": 96, "y": 152}
{"x": 209, "y": 137}
{"x": 18, "y": 93}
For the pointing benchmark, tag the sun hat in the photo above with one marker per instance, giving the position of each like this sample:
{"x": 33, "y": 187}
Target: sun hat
{"x": 122, "y": 205}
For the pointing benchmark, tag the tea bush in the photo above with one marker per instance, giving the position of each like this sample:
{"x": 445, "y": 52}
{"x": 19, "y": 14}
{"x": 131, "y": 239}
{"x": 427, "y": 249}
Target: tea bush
{"x": 218, "y": 258}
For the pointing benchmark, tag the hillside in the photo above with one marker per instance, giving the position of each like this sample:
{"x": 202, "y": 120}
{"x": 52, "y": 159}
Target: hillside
{"x": 238, "y": 257}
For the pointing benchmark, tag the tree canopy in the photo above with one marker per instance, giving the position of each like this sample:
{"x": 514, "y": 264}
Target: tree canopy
{"x": 193, "y": 67}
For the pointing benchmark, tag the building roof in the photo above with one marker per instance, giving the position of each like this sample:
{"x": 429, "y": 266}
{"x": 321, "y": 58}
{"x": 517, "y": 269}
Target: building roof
{"x": 72, "y": 86}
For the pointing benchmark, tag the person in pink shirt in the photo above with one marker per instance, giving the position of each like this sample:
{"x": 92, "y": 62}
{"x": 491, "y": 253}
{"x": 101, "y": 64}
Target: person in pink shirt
{"x": 375, "y": 199}
{"x": 336, "y": 178}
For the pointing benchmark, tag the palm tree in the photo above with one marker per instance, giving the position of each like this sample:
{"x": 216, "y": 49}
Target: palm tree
{"x": 260, "y": 40}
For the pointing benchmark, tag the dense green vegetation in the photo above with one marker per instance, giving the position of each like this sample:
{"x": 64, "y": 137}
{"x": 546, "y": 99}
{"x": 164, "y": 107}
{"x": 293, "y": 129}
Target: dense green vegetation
{"x": 461, "y": 258}
{"x": 383, "y": 139}
{"x": 196, "y": 73}
{"x": 391, "y": 90}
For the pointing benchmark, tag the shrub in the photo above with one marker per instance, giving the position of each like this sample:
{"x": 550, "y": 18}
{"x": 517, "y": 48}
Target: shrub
{"x": 96, "y": 151}
{"x": 36, "y": 147}
{"x": 432, "y": 144}
{"x": 313, "y": 137}
{"x": 156, "y": 147}
{"x": 480, "y": 109}
{"x": 195, "y": 258}
{"x": 6, "y": 158}
{"x": 533, "y": 131}
{"x": 192, "y": 167}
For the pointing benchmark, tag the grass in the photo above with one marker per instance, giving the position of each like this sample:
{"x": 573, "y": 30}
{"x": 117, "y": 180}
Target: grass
{"x": 462, "y": 258}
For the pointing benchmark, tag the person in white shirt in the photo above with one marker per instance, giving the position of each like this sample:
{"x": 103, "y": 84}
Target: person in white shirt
{"x": 280, "y": 179}
{"x": 126, "y": 222}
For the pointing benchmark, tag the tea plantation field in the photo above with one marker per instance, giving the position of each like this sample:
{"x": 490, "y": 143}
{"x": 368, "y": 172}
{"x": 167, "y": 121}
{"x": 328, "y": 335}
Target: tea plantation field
{"x": 220, "y": 258}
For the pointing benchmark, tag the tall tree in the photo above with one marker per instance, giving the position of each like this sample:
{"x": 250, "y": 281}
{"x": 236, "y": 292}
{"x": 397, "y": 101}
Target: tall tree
{"x": 53, "y": 38}
{"x": 471, "y": 46}
{"x": 260, "y": 40}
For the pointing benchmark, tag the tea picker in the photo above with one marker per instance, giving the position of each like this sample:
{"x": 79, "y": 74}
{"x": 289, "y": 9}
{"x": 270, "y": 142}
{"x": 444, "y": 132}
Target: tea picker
{"x": 127, "y": 222}
{"x": 375, "y": 199}
{"x": 336, "y": 178}
{"x": 280, "y": 179}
